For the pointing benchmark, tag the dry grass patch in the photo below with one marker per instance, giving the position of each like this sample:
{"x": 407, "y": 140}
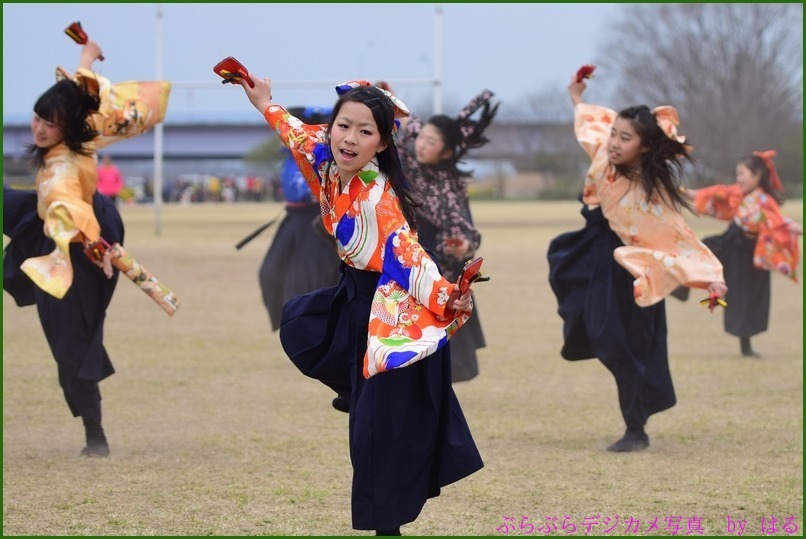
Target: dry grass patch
{"x": 214, "y": 432}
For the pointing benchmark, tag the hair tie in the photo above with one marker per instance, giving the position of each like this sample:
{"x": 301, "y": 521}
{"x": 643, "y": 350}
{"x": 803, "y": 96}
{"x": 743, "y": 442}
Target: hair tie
{"x": 400, "y": 109}
{"x": 668, "y": 120}
{"x": 767, "y": 156}
{"x": 87, "y": 83}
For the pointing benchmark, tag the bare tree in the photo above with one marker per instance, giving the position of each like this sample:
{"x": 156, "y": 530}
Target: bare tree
{"x": 733, "y": 71}
{"x": 549, "y": 103}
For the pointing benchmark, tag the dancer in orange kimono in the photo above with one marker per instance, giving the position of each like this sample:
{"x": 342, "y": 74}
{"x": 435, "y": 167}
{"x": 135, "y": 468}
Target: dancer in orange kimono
{"x": 611, "y": 277}
{"x": 379, "y": 335}
{"x": 759, "y": 240}
{"x": 45, "y": 263}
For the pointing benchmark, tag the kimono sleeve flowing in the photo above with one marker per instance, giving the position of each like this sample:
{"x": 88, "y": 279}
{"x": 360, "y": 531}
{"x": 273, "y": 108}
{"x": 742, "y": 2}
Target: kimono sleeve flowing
{"x": 67, "y": 182}
{"x": 65, "y": 186}
{"x": 660, "y": 250}
{"x": 756, "y": 213}
{"x": 408, "y": 319}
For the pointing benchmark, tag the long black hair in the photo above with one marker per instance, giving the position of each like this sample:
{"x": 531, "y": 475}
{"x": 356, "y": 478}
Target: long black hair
{"x": 661, "y": 166}
{"x": 388, "y": 160}
{"x": 451, "y": 138}
{"x": 461, "y": 134}
{"x": 757, "y": 166}
{"x": 68, "y": 105}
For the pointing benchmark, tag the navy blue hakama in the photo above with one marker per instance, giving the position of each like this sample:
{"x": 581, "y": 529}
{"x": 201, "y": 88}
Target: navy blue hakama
{"x": 73, "y": 325}
{"x": 749, "y": 287}
{"x": 408, "y": 435}
{"x": 601, "y": 319}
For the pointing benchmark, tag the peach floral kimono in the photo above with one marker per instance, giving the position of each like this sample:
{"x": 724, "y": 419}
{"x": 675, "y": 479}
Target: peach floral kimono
{"x": 660, "y": 249}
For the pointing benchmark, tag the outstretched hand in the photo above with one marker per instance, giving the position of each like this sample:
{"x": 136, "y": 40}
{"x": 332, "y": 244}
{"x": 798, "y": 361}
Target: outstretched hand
{"x": 718, "y": 288}
{"x": 575, "y": 89}
{"x": 260, "y": 95}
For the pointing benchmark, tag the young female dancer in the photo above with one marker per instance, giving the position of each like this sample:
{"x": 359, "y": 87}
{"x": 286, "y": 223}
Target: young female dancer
{"x": 611, "y": 277}
{"x": 430, "y": 155}
{"x": 45, "y": 264}
{"x": 758, "y": 240}
{"x": 378, "y": 335}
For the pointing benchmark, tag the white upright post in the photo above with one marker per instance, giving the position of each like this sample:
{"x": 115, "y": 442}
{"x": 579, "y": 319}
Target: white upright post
{"x": 158, "y": 132}
{"x": 438, "y": 60}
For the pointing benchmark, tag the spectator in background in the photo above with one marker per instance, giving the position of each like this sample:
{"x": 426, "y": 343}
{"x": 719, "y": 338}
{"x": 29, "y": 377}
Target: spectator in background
{"x": 213, "y": 189}
{"x": 110, "y": 179}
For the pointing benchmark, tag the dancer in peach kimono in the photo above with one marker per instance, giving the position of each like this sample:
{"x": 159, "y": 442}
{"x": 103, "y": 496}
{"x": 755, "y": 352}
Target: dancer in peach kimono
{"x": 50, "y": 228}
{"x": 378, "y": 337}
{"x": 759, "y": 240}
{"x": 611, "y": 277}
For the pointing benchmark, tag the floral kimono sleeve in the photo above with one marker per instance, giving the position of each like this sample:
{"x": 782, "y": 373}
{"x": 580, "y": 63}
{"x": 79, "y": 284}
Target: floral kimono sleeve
{"x": 777, "y": 246}
{"x": 128, "y": 109}
{"x": 592, "y": 125}
{"x": 719, "y": 201}
{"x": 67, "y": 215}
{"x": 306, "y": 142}
{"x": 406, "y": 262}
{"x": 461, "y": 221}
{"x": 660, "y": 250}
{"x": 410, "y": 132}
{"x": 408, "y": 318}
{"x": 674, "y": 258}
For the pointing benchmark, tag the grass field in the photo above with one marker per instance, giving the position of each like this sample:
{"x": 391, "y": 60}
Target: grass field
{"x": 214, "y": 432}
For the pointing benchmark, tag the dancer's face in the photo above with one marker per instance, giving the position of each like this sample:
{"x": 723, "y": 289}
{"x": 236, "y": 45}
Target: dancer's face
{"x": 354, "y": 138}
{"x": 624, "y": 145}
{"x": 746, "y": 178}
{"x": 430, "y": 146}
{"x": 46, "y": 134}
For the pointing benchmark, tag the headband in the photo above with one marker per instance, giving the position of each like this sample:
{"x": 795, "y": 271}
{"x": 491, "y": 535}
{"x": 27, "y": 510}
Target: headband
{"x": 767, "y": 156}
{"x": 401, "y": 111}
{"x": 668, "y": 120}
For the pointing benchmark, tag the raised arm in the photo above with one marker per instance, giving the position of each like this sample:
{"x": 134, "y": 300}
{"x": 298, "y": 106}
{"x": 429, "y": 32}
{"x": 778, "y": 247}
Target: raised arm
{"x": 90, "y": 52}
{"x": 260, "y": 95}
{"x": 575, "y": 90}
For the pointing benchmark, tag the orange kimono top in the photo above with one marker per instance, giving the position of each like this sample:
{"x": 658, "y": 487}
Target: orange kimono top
{"x": 67, "y": 182}
{"x": 65, "y": 186}
{"x": 660, "y": 250}
{"x": 408, "y": 319}
{"x": 757, "y": 213}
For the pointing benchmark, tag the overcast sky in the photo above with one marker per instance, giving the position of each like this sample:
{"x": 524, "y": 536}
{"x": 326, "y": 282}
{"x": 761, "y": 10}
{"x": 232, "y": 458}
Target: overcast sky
{"x": 512, "y": 49}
